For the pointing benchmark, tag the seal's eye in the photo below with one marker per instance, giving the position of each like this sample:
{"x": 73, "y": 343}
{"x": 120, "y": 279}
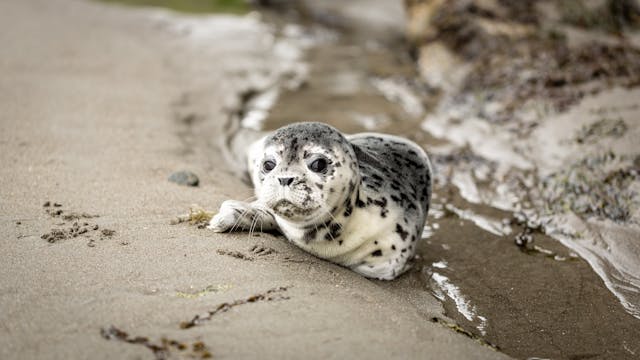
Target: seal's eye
{"x": 268, "y": 165}
{"x": 318, "y": 165}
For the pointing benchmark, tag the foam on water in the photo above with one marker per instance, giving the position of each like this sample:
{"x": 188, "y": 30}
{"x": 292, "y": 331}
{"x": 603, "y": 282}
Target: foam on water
{"x": 443, "y": 287}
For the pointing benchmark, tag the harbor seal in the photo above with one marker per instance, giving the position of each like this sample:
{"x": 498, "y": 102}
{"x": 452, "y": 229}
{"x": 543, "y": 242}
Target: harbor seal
{"x": 358, "y": 200}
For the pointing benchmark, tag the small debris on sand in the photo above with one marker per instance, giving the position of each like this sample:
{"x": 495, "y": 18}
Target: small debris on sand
{"x": 197, "y": 216}
{"x": 270, "y": 295}
{"x": 78, "y": 216}
{"x": 108, "y": 233}
{"x": 55, "y": 235}
{"x": 76, "y": 229}
{"x": 262, "y": 250}
{"x": 235, "y": 254}
{"x": 163, "y": 349}
{"x": 186, "y": 178}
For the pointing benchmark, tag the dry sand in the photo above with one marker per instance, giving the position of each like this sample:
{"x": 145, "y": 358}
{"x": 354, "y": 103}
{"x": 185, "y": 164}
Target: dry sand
{"x": 94, "y": 115}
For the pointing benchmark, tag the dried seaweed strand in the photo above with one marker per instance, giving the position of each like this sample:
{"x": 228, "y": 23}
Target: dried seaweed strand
{"x": 162, "y": 351}
{"x": 270, "y": 295}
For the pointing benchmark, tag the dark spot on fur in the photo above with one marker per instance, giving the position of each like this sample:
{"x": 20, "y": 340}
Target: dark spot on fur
{"x": 309, "y": 235}
{"x": 381, "y": 202}
{"x": 377, "y": 253}
{"x": 403, "y": 234}
{"x": 348, "y": 210}
{"x": 333, "y": 232}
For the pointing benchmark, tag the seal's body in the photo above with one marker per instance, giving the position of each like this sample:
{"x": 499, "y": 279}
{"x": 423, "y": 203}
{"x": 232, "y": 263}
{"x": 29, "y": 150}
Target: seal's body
{"x": 359, "y": 200}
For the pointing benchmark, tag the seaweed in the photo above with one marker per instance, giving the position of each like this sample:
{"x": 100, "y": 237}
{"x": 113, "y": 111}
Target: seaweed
{"x": 161, "y": 350}
{"x": 197, "y": 216}
{"x": 269, "y": 295}
{"x": 594, "y": 186}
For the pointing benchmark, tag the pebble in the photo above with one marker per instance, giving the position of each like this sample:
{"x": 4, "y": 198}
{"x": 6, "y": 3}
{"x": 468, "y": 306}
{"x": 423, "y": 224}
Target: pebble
{"x": 186, "y": 178}
{"x": 523, "y": 239}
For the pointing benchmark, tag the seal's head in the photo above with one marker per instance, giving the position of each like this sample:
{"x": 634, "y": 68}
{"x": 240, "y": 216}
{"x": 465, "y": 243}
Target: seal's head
{"x": 307, "y": 171}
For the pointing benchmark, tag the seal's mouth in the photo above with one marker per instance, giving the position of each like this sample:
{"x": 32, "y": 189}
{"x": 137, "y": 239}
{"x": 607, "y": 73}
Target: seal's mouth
{"x": 287, "y": 209}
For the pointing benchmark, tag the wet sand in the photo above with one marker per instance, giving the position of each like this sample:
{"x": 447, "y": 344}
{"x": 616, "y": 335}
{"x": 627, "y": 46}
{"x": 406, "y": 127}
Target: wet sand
{"x": 99, "y": 106}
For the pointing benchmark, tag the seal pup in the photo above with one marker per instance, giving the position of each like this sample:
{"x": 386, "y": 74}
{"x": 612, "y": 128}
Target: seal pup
{"x": 359, "y": 201}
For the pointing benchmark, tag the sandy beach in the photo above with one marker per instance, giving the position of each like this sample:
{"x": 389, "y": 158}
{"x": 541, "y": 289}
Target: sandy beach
{"x": 98, "y": 106}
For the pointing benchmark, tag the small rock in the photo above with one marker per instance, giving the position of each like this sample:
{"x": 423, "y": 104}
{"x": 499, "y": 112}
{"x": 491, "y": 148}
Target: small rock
{"x": 46, "y": 204}
{"x": 523, "y": 239}
{"x": 186, "y": 178}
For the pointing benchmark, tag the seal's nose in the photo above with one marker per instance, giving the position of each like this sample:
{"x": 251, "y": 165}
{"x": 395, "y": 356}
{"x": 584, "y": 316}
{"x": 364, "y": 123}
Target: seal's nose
{"x": 284, "y": 181}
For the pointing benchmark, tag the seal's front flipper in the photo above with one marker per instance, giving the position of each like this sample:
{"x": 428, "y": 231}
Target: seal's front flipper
{"x": 241, "y": 216}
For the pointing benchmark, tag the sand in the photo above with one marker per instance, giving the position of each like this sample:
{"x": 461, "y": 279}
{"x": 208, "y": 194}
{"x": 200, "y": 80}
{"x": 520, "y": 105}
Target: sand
{"x": 95, "y": 105}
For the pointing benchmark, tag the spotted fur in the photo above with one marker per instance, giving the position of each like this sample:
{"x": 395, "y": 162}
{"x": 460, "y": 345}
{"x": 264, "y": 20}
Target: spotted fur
{"x": 365, "y": 210}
